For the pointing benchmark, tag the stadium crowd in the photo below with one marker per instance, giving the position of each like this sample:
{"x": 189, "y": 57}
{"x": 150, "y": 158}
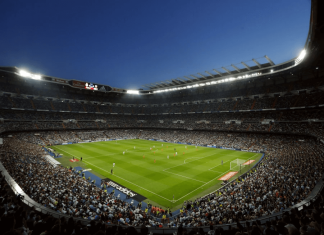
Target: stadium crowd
{"x": 264, "y": 102}
{"x": 309, "y": 122}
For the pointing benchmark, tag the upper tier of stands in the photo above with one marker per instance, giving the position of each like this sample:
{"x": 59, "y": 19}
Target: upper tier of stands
{"x": 314, "y": 98}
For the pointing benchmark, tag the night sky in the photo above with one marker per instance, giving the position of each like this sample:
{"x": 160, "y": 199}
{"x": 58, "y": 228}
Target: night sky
{"x": 127, "y": 44}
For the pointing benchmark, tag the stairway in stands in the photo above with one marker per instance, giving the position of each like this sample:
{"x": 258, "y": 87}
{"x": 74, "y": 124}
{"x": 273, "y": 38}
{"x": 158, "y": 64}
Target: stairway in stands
{"x": 32, "y": 103}
{"x": 251, "y": 145}
{"x": 252, "y": 107}
{"x": 52, "y": 105}
{"x": 43, "y": 140}
{"x": 235, "y": 105}
{"x": 274, "y": 103}
{"x": 69, "y": 107}
{"x": 84, "y": 107}
{"x": 56, "y": 134}
{"x": 270, "y": 128}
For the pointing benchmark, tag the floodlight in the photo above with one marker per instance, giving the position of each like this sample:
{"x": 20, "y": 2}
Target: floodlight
{"x": 36, "y": 76}
{"x": 300, "y": 57}
{"x": 302, "y": 54}
{"x": 24, "y": 73}
{"x": 132, "y": 92}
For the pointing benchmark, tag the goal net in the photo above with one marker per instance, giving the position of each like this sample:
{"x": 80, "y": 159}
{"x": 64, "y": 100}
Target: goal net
{"x": 237, "y": 164}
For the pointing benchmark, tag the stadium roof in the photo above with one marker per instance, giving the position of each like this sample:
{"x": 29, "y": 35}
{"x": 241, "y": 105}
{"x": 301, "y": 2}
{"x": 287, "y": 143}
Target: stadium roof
{"x": 249, "y": 67}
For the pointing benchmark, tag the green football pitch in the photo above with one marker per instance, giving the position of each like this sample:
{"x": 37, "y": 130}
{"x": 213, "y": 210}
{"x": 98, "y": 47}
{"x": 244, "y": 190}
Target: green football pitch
{"x": 192, "y": 173}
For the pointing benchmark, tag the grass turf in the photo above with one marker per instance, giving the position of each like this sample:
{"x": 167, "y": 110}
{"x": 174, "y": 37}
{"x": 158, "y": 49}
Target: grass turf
{"x": 190, "y": 174}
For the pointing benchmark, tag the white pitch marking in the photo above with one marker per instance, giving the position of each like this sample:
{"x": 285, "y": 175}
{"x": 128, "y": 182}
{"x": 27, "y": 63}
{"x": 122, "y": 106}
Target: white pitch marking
{"x": 185, "y": 176}
{"x": 190, "y": 162}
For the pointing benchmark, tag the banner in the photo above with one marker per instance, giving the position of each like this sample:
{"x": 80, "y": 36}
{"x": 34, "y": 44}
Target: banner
{"x": 124, "y": 190}
{"x": 78, "y": 84}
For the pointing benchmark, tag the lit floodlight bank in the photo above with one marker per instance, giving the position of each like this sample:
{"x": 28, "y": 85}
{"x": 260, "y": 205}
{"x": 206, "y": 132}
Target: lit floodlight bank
{"x": 212, "y": 82}
{"x": 133, "y": 92}
{"x": 301, "y": 57}
{"x": 26, "y": 74}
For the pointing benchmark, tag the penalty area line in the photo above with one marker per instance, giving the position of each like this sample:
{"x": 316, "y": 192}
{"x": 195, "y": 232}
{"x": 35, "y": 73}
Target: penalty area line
{"x": 202, "y": 186}
{"x": 217, "y": 165}
{"x": 185, "y": 177}
{"x": 191, "y": 161}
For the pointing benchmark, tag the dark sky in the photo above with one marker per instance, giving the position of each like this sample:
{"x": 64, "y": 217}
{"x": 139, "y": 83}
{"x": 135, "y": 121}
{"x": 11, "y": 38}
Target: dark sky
{"x": 127, "y": 44}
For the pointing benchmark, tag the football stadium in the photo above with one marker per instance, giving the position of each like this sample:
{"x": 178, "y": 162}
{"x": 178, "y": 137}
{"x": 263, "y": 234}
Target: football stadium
{"x": 232, "y": 151}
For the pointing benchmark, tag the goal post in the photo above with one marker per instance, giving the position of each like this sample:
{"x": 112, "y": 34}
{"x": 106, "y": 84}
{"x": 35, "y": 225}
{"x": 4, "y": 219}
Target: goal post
{"x": 237, "y": 164}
